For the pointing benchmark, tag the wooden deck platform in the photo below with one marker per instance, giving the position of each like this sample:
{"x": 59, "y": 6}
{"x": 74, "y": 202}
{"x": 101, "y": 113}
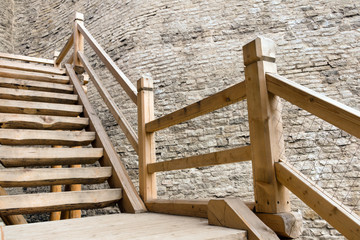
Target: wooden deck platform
{"x": 123, "y": 226}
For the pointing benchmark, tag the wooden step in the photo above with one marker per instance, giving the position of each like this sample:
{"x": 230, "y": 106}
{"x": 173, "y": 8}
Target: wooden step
{"x": 37, "y": 96}
{"x": 39, "y": 108}
{"x": 27, "y": 121}
{"x": 42, "y": 77}
{"x": 26, "y": 58}
{"x": 59, "y": 201}
{"x": 16, "y": 177}
{"x": 31, "y": 67}
{"x": 44, "y": 137}
{"x": 24, "y": 156}
{"x": 35, "y": 85}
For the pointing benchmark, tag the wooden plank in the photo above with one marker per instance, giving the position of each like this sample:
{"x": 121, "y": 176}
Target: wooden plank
{"x": 265, "y": 125}
{"x": 53, "y": 176}
{"x": 37, "y": 96}
{"x": 65, "y": 50}
{"x": 192, "y": 208}
{"x": 27, "y": 121}
{"x": 128, "y": 87}
{"x": 31, "y": 67}
{"x": 219, "y": 100}
{"x": 334, "y": 212}
{"x": 222, "y": 157}
{"x": 234, "y": 213}
{"x": 48, "y": 202}
{"x": 35, "y": 85}
{"x": 39, "y": 108}
{"x": 11, "y": 219}
{"x": 41, "y": 77}
{"x": 77, "y": 187}
{"x": 55, "y": 216}
{"x": 26, "y": 156}
{"x": 131, "y": 201}
{"x": 26, "y": 58}
{"x": 145, "y": 103}
{"x": 45, "y": 137}
{"x": 78, "y": 41}
{"x": 336, "y": 113}
{"x": 109, "y": 101}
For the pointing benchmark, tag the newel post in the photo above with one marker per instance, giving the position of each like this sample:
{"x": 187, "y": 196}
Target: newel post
{"x": 266, "y": 132}
{"x": 145, "y": 104}
{"x": 78, "y": 42}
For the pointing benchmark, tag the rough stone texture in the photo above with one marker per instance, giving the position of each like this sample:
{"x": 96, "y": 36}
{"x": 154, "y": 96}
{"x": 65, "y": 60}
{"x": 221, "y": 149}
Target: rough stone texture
{"x": 6, "y": 26}
{"x": 193, "y": 49}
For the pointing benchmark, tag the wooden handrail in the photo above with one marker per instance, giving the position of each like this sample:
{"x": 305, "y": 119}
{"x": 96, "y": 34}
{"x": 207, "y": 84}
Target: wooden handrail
{"x": 338, "y": 114}
{"x": 221, "y": 99}
{"x": 210, "y": 159}
{"x": 26, "y": 58}
{"x": 65, "y": 50}
{"x": 328, "y": 208}
{"x": 128, "y": 87}
{"x": 116, "y": 112}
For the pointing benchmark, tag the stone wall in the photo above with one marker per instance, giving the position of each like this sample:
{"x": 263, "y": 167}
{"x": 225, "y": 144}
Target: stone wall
{"x": 6, "y": 26}
{"x": 193, "y": 49}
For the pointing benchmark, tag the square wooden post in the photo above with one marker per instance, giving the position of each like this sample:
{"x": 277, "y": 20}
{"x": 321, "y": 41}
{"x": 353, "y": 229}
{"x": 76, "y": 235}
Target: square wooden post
{"x": 78, "y": 42}
{"x": 265, "y": 124}
{"x": 145, "y": 103}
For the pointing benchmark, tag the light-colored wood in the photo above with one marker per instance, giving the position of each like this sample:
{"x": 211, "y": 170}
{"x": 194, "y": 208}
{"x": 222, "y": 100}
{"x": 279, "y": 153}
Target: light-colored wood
{"x": 45, "y": 137}
{"x": 26, "y": 58}
{"x": 39, "y": 108}
{"x": 31, "y": 67}
{"x": 53, "y": 176}
{"x": 338, "y": 114}
{"x": 128, "y": 87}
{"x": 222, "y": 157}
{"x": 68, "y": 45}
{"x": 265, "y": 125}
{"x": 145, "y": 103}
{"x": 35, "y": 85}
{"x": 219, "y": 100}
{"x": 78, "y": 40}
{"x": 27, "y": 121}
{"x": 37, "y": 96}
{"x": 131, "y": 201}
{"x": 11, "y": 219}
{"x": 48, "y": 202}
{"x": 114, "y": 109}
{"x": 77, "y": 187}
{"x": 234, "y": 213}
{"x": 287, "y": 225}
{"x": 335, "y": 213}
{"x": 55, "y": 216}
{"x": 193, "y": 208}
{"x": 41, "y": 77}
{"x": 147, "y": 226}
{"x": 23, "y": 156}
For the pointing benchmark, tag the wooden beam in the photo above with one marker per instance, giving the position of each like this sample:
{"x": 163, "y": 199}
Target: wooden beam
{"x": 223, "y": 157}
{"x": 265, "y": 125}
{"x": 26, "y": 58}
{"x": 234, "y": 213}
{"x": 55, "y": 216}
{"x": 78, "y": 42}
{"x": 109, "y": 101}
{"x": 219, "y": 100}
{"x": 41, "y": 77}
{"x": 65, "y": 50}
{"x": 35, "y": 85}
{"x": 128, "y": 87}
{"x": 77, "y": 186}
{"x": 334, "y": 212}
{"x": 11, "y": 219}
{"x": 31, "y": 67}
{"x": 131, "y": 202}
{"x": 338, "y": 114}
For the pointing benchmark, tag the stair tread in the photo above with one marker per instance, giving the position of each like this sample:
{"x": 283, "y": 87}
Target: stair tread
{"x": 43, "y": 77}
{"x": 37, "y": 96}
{"x": 30, "y": 156}
{"x": 45, "y": 137}
{"x": 35, "y": 85}
{"x": 30, "y": 67}
{"x": 16, "y": 177}
{"x": 50, "y": 202}
{"x": 26, "y": 58}
{"x": 25, "y": 121}
{"x": 29, "y": 107}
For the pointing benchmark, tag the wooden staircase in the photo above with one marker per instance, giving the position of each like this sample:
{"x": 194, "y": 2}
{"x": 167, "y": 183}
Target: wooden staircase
{"x": 42, "y": 126}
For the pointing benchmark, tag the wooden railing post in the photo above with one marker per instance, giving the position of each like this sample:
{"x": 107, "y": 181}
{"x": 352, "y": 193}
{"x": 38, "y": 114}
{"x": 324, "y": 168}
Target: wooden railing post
{"x": 265, "y": 124}
{"x": 145, "y": 103}
{"x": 78, "y": 42}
